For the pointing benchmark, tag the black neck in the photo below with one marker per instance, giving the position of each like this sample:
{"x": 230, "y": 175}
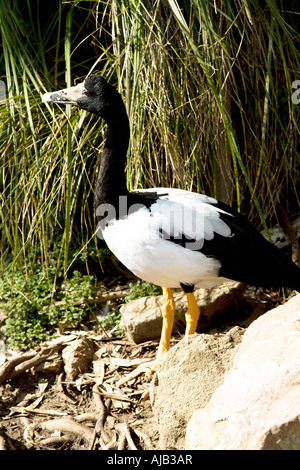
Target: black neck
{"x": 111, "y": 182}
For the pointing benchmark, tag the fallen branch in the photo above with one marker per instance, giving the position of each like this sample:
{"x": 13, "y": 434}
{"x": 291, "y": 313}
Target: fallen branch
{"x": 86, "y": 417}
{"x": 29, "y": 409}
{"x": 69, "y": 426}
{"x": 54, "y": 441}
{"x": 20, "y": 364}
{"x": 125, "y": 435}
{"x": 6, "y": 368}
{"x": 103, "y": 412}
{"x": 98, "y": 298}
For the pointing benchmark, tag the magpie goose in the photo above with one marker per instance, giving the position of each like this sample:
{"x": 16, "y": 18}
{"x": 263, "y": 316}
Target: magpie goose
{"x": 170, "y": 237}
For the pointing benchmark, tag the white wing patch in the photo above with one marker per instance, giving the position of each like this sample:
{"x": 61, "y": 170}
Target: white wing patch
{"x": 189, "y": 215}
{"x": 144, "y": 241}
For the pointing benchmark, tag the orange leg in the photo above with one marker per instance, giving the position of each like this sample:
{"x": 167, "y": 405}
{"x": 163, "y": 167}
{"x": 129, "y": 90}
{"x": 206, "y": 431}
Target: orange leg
{"x": 192, "y": 314}
{"x": 168, "y": 312}
{"x": 149, "y": 368}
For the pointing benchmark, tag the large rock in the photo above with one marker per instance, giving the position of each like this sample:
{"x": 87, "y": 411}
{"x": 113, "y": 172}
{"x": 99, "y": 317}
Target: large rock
{"x": 258, "y": 405}
{"x": 142, "y": 318}
{"x": 186, "y": 380}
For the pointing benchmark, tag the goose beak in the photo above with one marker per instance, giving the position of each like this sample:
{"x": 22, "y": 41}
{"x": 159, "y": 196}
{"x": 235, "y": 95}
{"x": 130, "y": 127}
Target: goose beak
{"x": 65, "y": 96}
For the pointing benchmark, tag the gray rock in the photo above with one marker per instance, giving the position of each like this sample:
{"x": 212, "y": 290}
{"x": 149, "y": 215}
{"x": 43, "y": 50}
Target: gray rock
{"x": 186, "y": 379}
{"x": 142, "y": 318}
{"x": 258, "y": 405}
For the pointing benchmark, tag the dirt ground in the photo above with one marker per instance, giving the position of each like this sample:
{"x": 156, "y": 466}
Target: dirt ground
{"x": 43, "y": 408}
{"x": 63, "y": 394}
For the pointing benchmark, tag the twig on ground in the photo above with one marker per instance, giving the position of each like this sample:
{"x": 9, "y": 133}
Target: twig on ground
{"x": 125, "y": 435}
{"x": 103, "y": 412}
{"x": 86, "y": 417}
{"x": 61, "y": 424}
{"x": 69, "y": 426}
{"x": 20, "y": 364}
{"x": 6, "y": 368}
{"x": 55, "y": 441}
